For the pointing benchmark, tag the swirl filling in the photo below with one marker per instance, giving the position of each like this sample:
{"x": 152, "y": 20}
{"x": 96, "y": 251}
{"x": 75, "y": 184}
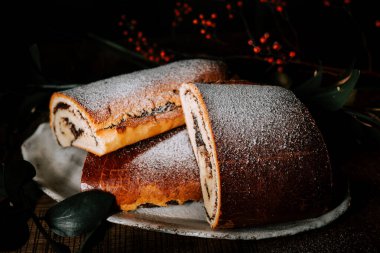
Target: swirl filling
{"x": 202, "y": 145}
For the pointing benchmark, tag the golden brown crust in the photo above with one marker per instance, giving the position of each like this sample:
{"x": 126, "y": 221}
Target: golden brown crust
{"x": 143, "y": 129}
{"x": 271, "y": 160}
{"x": 154, "y": 171}
{"x": 143, "y": 103}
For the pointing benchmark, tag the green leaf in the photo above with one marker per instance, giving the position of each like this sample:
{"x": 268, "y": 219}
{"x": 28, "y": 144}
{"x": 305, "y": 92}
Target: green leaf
{"x": 365, "y": 126}
{"x": 332, "y": 97}
{"x": 310, "y": 86}
{"x": 81, "y": 213}
{"x": 335, "y": 97}
{"x": 57, "y": 246}
{"x": 16, "y": 174}
{"x": 94, "y": 237}
{"x": 365, "y": 118}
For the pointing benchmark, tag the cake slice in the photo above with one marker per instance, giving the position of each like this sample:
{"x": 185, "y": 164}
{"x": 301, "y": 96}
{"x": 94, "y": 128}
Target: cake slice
{"x": 261, "y": 157}
{"x": 106, "y": 115}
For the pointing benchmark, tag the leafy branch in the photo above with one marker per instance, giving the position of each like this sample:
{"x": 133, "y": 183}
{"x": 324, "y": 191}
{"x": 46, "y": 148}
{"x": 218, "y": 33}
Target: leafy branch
{"x": 83, "y": 213}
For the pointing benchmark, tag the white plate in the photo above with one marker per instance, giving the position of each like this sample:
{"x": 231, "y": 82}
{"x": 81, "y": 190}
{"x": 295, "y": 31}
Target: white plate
{"x": 59, "y": 171}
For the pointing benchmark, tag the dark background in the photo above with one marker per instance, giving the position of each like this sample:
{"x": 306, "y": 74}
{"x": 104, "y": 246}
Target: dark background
{"x": 51, "y": 44}
{"x": 55, "y": 43}
{"x": 341, "y": 35}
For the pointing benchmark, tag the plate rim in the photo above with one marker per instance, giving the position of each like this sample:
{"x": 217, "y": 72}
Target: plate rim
{"x": 251, "y": 233}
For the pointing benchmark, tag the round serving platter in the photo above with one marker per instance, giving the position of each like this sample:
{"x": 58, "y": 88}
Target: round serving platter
{"x": 59, "y": 170}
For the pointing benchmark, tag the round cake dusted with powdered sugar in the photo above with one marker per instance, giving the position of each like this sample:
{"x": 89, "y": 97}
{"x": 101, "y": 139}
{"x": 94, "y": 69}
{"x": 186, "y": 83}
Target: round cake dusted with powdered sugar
{"x": 261, "y": 156}
{"x": 109, "y": 114}
{"x": 156, "y": 171}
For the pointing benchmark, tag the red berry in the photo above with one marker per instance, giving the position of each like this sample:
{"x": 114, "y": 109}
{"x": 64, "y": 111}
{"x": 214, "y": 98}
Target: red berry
{"x": 256, "y": 50}
{"x": 292, "y": 54}
{"x": 276, "y": 46}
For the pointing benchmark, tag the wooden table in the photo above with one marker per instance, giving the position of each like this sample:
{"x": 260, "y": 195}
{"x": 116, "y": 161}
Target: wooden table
{"x": 358, "y": 230}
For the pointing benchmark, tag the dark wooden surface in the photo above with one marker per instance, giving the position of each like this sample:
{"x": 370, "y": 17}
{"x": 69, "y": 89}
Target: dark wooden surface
{"x": 358, "y": 230}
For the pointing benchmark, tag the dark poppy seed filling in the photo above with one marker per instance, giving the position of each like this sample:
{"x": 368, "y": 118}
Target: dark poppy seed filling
{"x": 68, "y": 128}
{"x": 168, "y": 107}
{"x": 200, "y": 139}
{"x": 74, "y": 131}
{"x": 198, "y": 136}
{"x": 77, "y": 132}
{"x": 61, "y": 106}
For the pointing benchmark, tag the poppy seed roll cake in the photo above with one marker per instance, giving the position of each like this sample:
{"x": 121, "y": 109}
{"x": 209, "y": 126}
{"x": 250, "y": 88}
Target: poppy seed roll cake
{"x": 109, "y": 114}
{"x": 261, "y": 157}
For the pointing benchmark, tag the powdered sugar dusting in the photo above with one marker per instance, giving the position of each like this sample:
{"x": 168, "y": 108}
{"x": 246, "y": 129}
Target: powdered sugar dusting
{"x": 176, "y": 148}
{"x": 136, "y": 91}
{"x": 258, "y": 116}
{"x": 170, "y": 158}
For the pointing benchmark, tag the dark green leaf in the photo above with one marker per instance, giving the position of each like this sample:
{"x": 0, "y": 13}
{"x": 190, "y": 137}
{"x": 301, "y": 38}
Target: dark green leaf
{"x": 366, "y": 118}
{"x": 368, "y": 125}
{"x": 57, "y": 246}
{"x": 335, "y": 97}
{"x": 16, "y": 174}
{"x": 332, "y": 97}
{"x": 311, "y": 86}
{"x": 80, "y": 213}
{"x": 94, "y": 237}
